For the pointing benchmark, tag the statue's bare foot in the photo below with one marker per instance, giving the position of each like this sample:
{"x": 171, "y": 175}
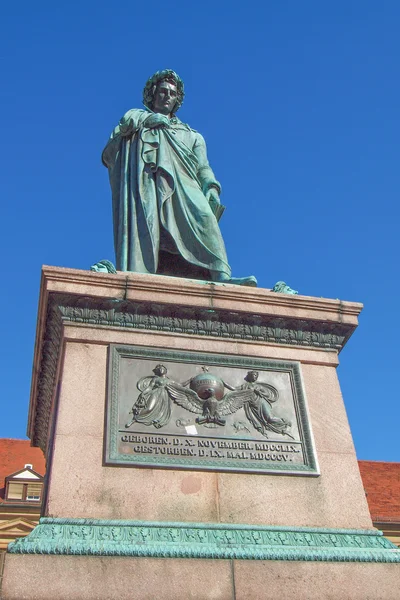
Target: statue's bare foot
{"x": 250, "y": 281}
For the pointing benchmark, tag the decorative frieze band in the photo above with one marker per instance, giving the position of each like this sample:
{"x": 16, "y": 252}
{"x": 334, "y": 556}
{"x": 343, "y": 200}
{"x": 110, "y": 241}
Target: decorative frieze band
{"x": 201, "y": 321}
{"x": 201, "y": 540}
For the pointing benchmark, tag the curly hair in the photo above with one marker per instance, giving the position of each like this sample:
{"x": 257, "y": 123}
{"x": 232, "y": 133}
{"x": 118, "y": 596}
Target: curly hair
{"x": 158, "y": 368}
{"x": 248, "y": 378}
{"x": 151, "y": 86}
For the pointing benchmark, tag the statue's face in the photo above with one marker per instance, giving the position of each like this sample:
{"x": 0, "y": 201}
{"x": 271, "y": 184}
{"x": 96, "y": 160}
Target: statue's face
{"x": 164, "y": 98}
{"x": 253, "y": 375}
{"x": 99, "y": 268}
{"x": 160, "y": 370}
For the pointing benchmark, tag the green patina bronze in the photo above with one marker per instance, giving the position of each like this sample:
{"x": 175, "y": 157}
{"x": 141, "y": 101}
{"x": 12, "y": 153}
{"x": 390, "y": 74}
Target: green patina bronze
{"x": 255, "y": 412}
{"x": 204, "y": 540}
{"x": 103, "y": 266}
{"x": 282, "y": 288}
{"x": 165, "y": 195}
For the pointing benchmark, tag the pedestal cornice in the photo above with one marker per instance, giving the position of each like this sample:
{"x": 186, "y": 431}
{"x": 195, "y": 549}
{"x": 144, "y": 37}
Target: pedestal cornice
{"x": 176, "y": 306}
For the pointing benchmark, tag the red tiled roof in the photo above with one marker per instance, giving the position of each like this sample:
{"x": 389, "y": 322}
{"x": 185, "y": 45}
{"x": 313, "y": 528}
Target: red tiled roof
{"x": 15, "y": 454}
{"x": 382, "y": 485}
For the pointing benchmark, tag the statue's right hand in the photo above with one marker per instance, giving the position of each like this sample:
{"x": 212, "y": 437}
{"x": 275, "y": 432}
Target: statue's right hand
{"x": 156, "y": 120}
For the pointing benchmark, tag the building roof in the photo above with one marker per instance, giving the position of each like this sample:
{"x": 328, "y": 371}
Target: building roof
{"x": 382, "y": 486}
{"x": 14, "y": 455}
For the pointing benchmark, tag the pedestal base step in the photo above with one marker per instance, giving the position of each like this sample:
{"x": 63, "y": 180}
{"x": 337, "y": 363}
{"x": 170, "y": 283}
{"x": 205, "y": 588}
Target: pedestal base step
{"x": 96, "y": 537}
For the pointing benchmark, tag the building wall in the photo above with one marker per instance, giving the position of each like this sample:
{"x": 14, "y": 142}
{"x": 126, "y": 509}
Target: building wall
{"x": 382, "y": 488}
{"x": 17, "y": 519}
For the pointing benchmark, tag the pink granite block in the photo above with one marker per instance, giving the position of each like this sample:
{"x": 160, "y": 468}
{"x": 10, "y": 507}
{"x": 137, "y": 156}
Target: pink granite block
{"x": 328, "y": 415}
{"x": 83, "y": 390}
{"x": 115, "y": 578}
{"x": 270, "y": 580}
{"x": 334, "y": 499}
{"x": 156, "y": 339}
{"x": 84, "y": 283}
{"x": 80, "y": 486}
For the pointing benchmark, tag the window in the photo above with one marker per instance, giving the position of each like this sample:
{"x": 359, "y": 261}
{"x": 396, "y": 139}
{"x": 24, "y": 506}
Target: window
{"x": 24, "y": 492}
{"x": 15, "y": 491}
{"x": 33, "y": 492}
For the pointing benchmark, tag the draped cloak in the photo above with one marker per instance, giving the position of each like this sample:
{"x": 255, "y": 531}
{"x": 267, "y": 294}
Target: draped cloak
{"x": 159, "y": 178}
{"x": 259, "y": 410}
{"x": 154, "y": 404}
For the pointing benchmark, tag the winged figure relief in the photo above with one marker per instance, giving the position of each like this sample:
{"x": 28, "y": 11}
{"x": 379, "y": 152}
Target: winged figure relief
{"x": 208, "y": 406}
{"x": 255, "y": 397}
{"x": 153, "y": 405}
{"x": 259, "y": 409}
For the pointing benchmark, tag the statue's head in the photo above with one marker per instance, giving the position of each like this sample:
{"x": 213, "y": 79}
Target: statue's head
{"x": 251, "y": 376}
{"x": 160, "y": 370}
{"x": 166, "y": 76}
{"x": 103, "y": 266}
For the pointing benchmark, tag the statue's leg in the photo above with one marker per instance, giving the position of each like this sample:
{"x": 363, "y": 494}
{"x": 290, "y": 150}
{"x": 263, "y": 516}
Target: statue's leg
{"x": 177, "y": 266}
{"x": 224, "y": 278}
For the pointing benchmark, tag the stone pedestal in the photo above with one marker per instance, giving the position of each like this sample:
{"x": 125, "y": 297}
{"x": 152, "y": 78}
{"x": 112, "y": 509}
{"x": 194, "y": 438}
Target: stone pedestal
{"x": 112, "y": 531}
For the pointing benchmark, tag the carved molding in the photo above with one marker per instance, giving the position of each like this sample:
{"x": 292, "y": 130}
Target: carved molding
{"x": 46, "y": 383}
{"x": 203, "y": 540}
{"x": 202, "y": 321}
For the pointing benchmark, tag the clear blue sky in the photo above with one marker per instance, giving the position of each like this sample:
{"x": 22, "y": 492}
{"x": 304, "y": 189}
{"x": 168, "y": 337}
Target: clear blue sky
{"x": 299, "y": 105}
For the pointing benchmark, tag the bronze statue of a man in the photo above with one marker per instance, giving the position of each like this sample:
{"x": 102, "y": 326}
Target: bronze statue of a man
{"x": 165, "y": 195}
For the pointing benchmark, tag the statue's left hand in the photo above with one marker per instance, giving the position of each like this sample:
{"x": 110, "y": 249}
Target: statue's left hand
{"x": 212, "y": 196}
{"x": 156, "y": 120}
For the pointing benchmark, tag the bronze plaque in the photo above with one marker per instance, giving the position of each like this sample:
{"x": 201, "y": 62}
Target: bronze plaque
{"x": 189, "y": 410}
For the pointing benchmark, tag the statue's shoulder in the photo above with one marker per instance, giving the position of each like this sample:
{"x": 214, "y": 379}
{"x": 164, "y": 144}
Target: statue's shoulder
{"x": 135, "y": 112}
{"x": 178, "y": 124}
{"x": 197, "y": 138}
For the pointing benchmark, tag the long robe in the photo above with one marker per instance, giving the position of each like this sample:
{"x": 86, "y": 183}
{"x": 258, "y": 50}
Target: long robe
{"x": 259, "y": 410}
{"x": 159, "y": 178}
{"x": 153, "y": 405}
